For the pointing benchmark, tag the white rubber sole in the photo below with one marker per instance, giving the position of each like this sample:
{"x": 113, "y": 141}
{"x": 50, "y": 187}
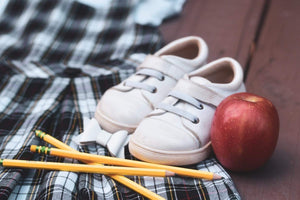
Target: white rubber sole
{"x": 111, "y": 126}
{"x": 177, "y": 158}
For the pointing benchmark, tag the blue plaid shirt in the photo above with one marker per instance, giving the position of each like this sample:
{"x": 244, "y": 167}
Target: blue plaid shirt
{"x": 57, "y": 57}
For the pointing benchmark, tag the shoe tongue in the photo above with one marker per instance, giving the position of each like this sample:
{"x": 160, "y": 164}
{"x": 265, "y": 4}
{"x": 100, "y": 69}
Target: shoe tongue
{"x": 200, "y": 80}
{"x": 221, "y": 89}
{"x": 179, "y": 62}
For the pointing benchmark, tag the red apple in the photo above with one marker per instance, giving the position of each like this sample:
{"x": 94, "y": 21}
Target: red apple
{"x": 244, "y": 131}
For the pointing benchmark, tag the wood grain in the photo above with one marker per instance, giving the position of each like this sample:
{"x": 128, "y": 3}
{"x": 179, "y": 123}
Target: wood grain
{"x": 274, "y": 73}
{"x": 228, "y": 27}
{"x": 264, "y": 36}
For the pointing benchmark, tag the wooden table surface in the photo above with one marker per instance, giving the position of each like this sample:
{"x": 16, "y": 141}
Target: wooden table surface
{"x": 264, "y": 36}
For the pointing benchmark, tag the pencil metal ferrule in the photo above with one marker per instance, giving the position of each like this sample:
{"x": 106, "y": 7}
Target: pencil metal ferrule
{"x": 43, "y": 150}
{"x": 40, "y": 134}
{"x": 1, "y": 162}
{"x": 124, "y": 180}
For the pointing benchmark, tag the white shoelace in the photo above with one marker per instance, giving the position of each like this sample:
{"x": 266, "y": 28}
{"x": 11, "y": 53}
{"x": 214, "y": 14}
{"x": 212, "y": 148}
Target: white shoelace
{"x": 182, "y": 113}
{"x": 142, "y": 85}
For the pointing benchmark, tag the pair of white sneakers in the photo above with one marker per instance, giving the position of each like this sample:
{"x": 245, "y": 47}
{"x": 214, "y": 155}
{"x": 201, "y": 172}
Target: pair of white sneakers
{"x": 169, "y": 103}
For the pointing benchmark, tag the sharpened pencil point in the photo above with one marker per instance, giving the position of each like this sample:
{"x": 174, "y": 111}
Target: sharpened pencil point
{"x": 169, "y": 173}
{"x": 123, "y": 180}
{"x": 217, "y": 177}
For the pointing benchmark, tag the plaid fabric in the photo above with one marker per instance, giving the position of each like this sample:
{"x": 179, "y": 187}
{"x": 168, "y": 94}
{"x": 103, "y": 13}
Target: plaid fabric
{"x": 56, "y": 60}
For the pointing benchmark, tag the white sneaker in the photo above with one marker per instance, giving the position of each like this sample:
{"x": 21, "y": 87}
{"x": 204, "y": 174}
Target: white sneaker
{"x": 123, "y": 106}
{"x": 177, "y": 132}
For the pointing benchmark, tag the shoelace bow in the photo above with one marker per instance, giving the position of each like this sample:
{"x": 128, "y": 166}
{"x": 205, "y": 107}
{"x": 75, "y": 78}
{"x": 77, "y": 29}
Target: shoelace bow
{"x": 141, "y": 85}
{"x": 182, "y": 113}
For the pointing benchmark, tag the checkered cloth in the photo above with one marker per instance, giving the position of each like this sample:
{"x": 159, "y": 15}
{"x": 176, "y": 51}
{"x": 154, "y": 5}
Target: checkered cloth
{"x": 56, "y": 60}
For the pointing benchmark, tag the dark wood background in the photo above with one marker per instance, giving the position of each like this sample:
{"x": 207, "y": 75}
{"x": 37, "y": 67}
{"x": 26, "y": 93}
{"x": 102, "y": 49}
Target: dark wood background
{"x": 264, "y": 36}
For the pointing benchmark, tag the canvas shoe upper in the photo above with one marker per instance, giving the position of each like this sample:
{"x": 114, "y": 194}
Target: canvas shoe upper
{"x": 126, "y": 104}
{"x": 177, "y": 132}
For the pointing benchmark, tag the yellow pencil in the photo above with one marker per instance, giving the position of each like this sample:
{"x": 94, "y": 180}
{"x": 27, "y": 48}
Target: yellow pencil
{"x": 129, "y": 171}
{"x": 121, "y": 179}
{"x": 123, "y": 162}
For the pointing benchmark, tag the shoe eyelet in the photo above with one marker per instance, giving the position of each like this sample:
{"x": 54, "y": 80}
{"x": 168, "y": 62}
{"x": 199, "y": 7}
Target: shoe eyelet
{"x": 154, "y": 90}
{"x": 162, "y": 78}
{"x": 196, "y": 120}
{"x": 200, "y": 107}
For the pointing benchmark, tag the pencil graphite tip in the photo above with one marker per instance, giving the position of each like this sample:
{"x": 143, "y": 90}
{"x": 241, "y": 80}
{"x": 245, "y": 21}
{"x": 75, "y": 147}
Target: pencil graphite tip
{"x": 217, "y": 177}
{"x": 169, "y": 173}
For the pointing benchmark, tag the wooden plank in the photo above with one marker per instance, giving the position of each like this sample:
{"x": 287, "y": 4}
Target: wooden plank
{"x": 274, "y": 74}
{"x": 229, "y": 27}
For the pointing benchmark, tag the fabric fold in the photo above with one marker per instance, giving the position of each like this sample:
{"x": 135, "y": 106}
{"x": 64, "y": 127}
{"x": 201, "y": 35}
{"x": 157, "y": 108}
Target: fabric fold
{"x": 57, "y": 58}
